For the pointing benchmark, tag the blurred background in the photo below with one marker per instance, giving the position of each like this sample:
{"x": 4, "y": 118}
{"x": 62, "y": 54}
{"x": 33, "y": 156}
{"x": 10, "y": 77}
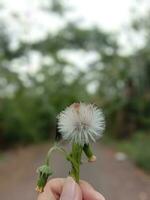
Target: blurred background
{"x": 56, "y": 52}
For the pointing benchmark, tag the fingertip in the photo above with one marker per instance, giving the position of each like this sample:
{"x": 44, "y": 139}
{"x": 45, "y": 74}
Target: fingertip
{"x": 88, "y": 192}
{"x": 55, "y": 186}
{"x": 71, "y": 190}
{"x": 55, "y": 182}
{"x": 52, "y": 189}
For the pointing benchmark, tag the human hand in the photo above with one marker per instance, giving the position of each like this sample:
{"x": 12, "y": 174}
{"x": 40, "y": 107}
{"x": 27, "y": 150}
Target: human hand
{"x": 68, "y": 189}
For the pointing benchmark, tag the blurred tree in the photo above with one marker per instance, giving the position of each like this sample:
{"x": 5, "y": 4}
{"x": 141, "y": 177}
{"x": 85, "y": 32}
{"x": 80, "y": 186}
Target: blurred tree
{"x": 29, "y": 102}
{"x": 28, "y": 107}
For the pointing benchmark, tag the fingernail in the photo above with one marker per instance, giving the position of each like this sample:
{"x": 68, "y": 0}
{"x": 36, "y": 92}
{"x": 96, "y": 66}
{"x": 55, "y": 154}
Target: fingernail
{"x": 69, "y": 189}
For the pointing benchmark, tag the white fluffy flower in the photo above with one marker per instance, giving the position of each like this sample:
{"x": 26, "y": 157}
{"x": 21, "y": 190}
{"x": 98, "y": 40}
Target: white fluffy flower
{"x": 81, "y": 123}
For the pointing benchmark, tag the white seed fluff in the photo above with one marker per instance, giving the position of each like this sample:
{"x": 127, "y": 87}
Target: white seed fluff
{"x": 81, "y": 123}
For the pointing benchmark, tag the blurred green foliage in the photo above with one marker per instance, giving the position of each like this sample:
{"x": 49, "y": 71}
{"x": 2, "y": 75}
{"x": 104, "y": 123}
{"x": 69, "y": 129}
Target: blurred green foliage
{"x": 29, "y": 103}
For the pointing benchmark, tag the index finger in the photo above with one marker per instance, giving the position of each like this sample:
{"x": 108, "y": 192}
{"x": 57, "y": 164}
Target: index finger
{"x": 52, "y": 189}
{"x": 89, "y": 193}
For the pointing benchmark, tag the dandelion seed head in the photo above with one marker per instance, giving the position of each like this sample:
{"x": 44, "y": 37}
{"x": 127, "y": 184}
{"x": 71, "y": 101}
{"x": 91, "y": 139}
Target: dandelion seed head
{"x": 81, "y": 123}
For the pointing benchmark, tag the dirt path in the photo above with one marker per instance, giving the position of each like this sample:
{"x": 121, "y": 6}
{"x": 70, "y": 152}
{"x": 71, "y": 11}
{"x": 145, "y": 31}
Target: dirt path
{"x": 116, "y": 180}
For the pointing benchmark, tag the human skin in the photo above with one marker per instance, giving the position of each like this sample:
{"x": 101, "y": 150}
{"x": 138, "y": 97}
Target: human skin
{"x": 68, "y": 189}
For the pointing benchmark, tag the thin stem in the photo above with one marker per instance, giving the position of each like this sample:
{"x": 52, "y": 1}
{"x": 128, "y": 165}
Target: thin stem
{"x": 55, "y": 147}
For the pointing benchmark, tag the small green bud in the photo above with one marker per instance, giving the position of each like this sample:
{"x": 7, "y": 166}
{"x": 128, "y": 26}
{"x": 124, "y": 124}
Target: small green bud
{"x": 92, "y": 159}
{"x": 44, "y": 172}
{"x": 88, "y": 152}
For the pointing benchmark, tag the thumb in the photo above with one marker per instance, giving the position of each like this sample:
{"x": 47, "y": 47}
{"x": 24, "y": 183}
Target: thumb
{"x": 71, "y": 190}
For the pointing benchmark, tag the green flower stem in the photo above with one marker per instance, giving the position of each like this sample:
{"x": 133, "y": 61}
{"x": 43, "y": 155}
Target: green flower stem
{"x": 55, "y": 147}
{"x": 75, "y": 159}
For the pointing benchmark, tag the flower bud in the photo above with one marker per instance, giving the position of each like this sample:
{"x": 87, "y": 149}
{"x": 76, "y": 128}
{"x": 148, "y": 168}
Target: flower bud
{"x": 92, "y": 159}
{"x": 44, "y": 172}
{"x": 88, "y": 152}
